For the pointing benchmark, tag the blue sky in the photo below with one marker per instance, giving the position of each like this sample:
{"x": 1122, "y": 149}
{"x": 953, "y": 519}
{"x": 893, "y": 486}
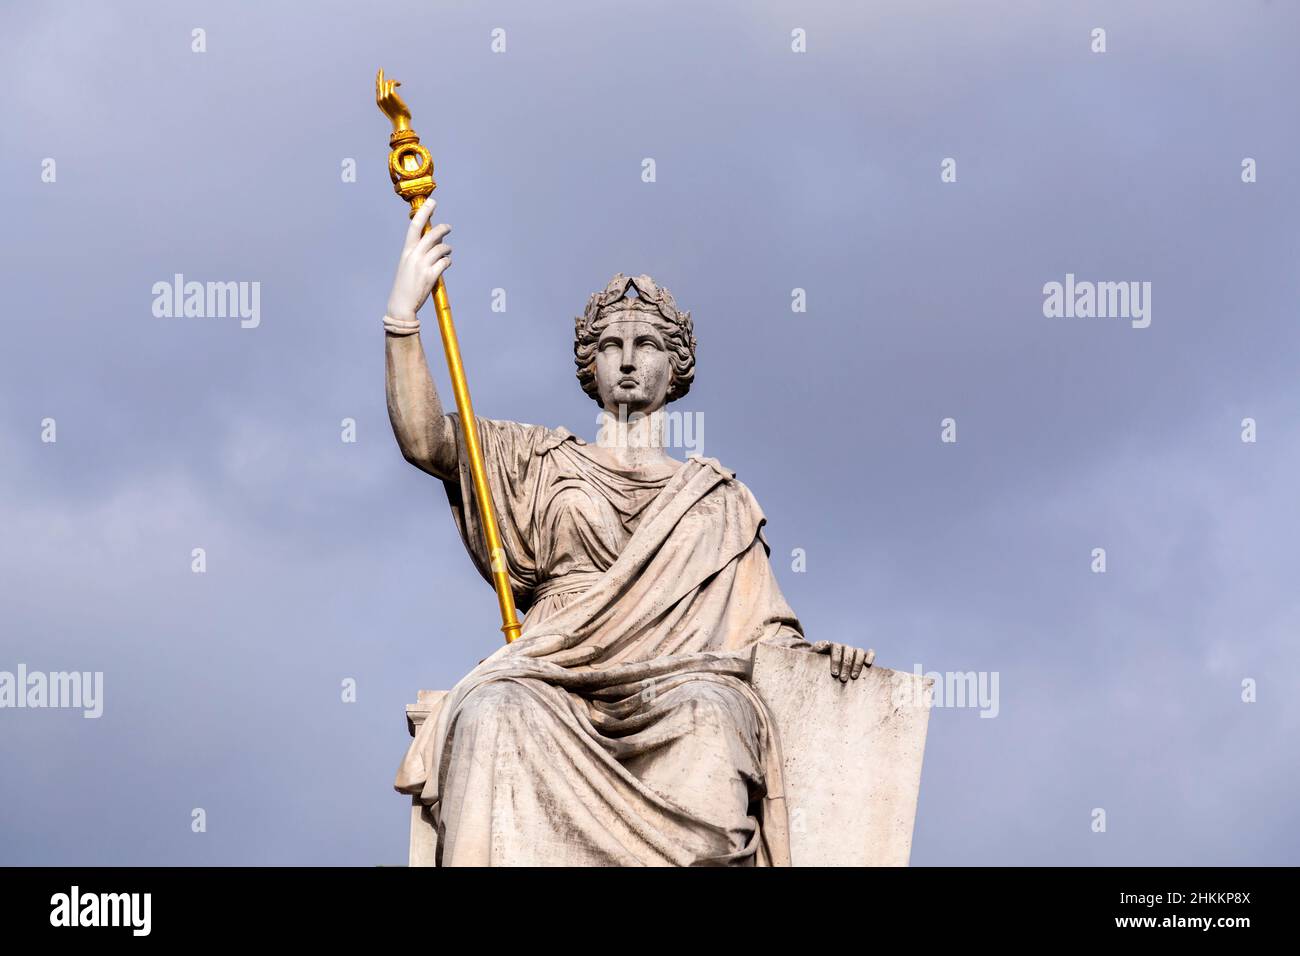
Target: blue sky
{"x": 774, "y": 171}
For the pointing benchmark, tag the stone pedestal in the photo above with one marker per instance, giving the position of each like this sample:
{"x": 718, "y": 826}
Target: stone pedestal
{"x": 851, "y": 758}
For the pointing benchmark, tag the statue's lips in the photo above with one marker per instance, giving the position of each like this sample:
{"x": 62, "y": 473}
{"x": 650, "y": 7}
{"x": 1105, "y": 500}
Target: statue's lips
{"x": 628, "y": 383}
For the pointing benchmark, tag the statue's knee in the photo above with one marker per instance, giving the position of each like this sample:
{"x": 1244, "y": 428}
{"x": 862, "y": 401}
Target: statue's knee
{"x": 495, "y": 701}
{"x": 714, "y": 705}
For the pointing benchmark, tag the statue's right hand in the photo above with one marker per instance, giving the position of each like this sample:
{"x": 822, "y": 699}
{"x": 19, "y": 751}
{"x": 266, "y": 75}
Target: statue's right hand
{"x": 424, "y": 258}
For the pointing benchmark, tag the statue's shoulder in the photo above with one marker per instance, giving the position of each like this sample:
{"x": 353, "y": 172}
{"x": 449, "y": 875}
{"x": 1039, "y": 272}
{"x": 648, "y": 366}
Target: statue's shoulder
{"x": 730, "y": 487}
{"x": 553, "y": 438}
{"x": 539, "y": 439}
{"x": 717, "y": 466}
{"x": 731, "y": 499}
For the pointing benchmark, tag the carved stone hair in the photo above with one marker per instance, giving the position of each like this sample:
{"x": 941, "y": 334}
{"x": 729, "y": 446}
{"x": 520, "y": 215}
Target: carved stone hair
{"x": 659, "y": 308}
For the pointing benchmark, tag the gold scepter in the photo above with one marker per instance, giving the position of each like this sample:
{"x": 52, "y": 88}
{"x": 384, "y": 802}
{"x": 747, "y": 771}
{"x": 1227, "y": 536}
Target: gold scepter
{"x": 411, "y": 169}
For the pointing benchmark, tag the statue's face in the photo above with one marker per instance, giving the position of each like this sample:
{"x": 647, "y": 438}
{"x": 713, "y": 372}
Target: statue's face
{"x": 632, "y": 365}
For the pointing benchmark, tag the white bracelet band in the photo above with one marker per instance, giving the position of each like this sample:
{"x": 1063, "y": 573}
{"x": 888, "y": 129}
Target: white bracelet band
{"x": 394, "y": 327}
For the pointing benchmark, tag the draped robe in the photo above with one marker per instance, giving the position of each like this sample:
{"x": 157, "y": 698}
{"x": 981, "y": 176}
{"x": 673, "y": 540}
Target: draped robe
{"x": 621, "y": 727}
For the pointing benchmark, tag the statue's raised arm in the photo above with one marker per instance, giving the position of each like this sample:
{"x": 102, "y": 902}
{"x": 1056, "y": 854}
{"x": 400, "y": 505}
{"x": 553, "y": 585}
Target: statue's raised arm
{"x": 422, "y": 430}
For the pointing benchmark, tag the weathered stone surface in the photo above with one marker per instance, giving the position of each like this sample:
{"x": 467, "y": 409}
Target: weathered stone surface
{"x": 851, "y": 755}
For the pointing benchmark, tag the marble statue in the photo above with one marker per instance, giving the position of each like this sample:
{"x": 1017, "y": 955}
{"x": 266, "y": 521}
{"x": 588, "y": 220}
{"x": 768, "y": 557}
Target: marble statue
{"x": 622, "y": 727}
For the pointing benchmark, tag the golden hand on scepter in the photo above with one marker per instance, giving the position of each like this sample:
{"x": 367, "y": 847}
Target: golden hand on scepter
{"x": 411, "y": 168}
{"x": 391, "y": 104}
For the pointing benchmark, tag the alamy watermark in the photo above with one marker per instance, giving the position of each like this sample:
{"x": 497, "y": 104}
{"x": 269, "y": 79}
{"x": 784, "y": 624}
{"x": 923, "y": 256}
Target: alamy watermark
{"x": 209, "y": 300}
{"x": 973, "y": 689}
{"x": 663, "y": 428}
{"x": 129, "y": 910}
{"x": 74, "y": 690}
{"x": 1101, "y": 300}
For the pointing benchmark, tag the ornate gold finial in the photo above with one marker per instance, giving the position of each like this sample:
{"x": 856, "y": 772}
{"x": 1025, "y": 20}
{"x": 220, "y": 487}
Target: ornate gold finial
{"x": 409, "y": 164}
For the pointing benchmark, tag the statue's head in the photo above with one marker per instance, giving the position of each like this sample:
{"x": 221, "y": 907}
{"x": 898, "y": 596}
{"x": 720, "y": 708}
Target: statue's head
{"x": 632, "y": 347}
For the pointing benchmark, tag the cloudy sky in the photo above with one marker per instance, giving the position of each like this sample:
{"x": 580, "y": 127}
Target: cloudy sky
{"x": 775, "y": 170}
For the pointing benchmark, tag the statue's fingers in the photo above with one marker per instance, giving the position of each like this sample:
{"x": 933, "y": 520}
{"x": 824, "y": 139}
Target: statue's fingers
{"x": 432, "y": 238}
{"x": 436, "y": 255}
{"x": 846, "y": 666}
{"x": 870, "y": 658}
{"x": 859, "y": 655}
{"x": 419, "y": 221}
{"x": 837, "y": 659}
{"x": 437, "y": 269}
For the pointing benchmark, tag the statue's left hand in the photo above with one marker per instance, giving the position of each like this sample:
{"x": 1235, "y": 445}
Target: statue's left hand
{"x": 846, "y": 661}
